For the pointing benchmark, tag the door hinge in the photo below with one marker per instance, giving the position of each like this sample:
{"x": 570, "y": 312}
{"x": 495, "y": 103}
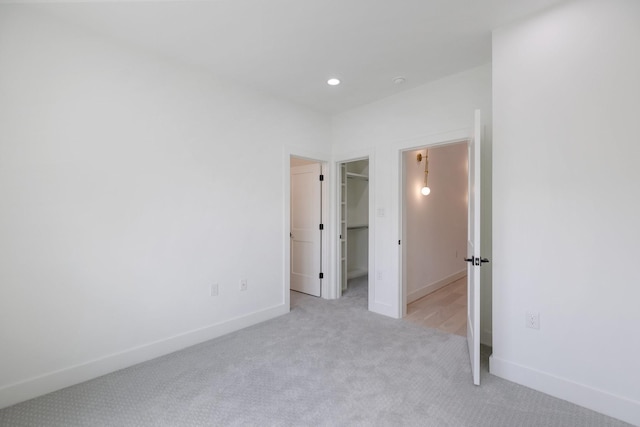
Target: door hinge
{"x": 321, "y": 226}
{"x": 321, "y": 177}
{"x": 322, "y": 275}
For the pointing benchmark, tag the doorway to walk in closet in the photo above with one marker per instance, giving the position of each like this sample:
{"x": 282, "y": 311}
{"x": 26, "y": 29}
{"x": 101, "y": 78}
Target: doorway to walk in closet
{"x": 435, "y": 235}
{"x": 354, "y": 227}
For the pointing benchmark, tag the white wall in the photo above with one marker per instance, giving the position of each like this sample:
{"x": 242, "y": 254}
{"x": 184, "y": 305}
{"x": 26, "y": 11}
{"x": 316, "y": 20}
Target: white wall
{"x": 128, "y": 185}
{"x": 566, "y": 206}
{"x": 431, "y": 113}
{"x": 436, "y": 238}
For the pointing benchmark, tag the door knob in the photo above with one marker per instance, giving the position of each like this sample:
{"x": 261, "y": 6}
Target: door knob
{"x": 476, "y": 261}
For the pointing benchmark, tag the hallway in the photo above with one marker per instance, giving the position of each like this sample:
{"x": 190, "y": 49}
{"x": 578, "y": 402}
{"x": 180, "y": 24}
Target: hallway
{"x": 444, "y": 309}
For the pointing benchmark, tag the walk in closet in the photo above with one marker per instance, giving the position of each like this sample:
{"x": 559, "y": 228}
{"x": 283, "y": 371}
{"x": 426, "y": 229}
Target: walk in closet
{"x": 354, "y": 221}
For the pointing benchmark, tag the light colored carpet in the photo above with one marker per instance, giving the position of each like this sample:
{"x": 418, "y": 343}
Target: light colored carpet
{"x": 327, "y": 363}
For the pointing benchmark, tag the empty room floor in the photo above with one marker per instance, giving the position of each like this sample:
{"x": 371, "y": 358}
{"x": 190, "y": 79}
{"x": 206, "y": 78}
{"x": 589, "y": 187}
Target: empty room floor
{"x": 444, "y": 309}
{"x": 326, "y": 363}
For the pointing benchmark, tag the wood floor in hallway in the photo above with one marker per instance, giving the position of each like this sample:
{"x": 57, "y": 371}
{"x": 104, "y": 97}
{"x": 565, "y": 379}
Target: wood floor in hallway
{"x": 444, "y": 309}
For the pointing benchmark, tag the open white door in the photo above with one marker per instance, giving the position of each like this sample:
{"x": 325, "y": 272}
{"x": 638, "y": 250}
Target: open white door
{"x": 474, "y": 258}
{"x": 306, "y": 214}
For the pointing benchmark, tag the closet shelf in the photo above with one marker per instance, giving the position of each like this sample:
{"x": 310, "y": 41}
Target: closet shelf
{"x": 357, "y": 176}
{"x": 357, "y": 227}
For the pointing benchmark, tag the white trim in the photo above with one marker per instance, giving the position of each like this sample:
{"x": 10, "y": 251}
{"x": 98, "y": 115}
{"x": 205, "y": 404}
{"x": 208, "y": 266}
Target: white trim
{"x": 357, "y": 273}
{"x": 382, "y": 308}
{"x": 434, "y": 286}
{"x": 56, "y": 380}
{"x": 589, "y": 397}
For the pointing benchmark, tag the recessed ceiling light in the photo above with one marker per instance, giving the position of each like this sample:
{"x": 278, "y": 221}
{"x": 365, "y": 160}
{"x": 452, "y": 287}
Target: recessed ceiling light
{"x": 333, "y": 82}
{"x": 399, "y": 80}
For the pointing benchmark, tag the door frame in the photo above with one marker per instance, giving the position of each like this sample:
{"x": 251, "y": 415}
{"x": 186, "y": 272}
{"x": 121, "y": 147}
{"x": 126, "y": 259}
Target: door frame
{"x": 403, "y": 211}
{"x": 456, "y": 137}
{"x": 324, "y": 160}
{"x": 346, "y": 158}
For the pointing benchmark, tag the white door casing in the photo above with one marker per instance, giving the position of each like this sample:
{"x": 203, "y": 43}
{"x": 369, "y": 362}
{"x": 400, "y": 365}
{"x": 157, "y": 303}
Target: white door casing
{"x": 474, "y": 259}
{"x": 306, "y": 217}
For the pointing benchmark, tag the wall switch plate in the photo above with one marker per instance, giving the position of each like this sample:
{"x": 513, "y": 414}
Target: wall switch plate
{"x": 243, "y": 284}
{"x": 532, "y": 320}
{"x": 213, "y": 290}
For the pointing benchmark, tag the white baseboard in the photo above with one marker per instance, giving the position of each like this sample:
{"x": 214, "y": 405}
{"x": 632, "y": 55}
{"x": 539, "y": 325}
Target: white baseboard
{"x": 52, "y": 381}
{"x": 358, "y": 272}
{"x": 589, "y": 397}
{"x": 383, "y": 309}
{"x": 432, "y": 287}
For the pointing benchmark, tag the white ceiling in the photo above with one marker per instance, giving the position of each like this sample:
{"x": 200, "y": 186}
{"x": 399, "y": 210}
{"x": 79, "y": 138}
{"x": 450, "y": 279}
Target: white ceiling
{"x": 290, "y": 48}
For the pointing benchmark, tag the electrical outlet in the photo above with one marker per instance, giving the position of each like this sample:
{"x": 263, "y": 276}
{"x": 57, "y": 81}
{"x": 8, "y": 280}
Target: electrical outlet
{"x": 213, "y": 290}
{"x": 243, "y": 284}
{"x": 378, "y": 275}
{"x": 532, "y": 320}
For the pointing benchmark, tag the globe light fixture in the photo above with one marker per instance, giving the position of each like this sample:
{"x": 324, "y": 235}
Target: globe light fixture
{"x": 425, "y": 189}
